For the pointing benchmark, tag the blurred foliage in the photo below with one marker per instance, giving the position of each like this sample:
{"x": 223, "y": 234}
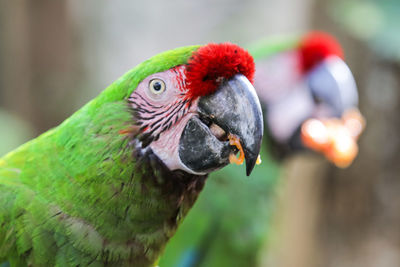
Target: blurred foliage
{"x": 375, "y": 21}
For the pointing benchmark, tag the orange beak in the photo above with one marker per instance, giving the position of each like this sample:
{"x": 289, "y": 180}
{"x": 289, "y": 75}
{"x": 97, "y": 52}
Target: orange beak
{"x": 335, "y": 138}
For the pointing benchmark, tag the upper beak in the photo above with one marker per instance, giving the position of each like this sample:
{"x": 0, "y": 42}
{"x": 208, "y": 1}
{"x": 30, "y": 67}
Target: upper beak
{"x": 333, "y": 83}
{"x": 234, "y": 109}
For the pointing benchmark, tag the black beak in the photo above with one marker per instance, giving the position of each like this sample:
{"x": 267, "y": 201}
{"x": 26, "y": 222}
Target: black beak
{"x": 233, "y": 109}
{"x": 333, "y": 83}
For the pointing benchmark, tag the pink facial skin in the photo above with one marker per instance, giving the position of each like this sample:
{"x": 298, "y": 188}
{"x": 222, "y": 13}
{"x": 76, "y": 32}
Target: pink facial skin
{"x": 164, "y": 114}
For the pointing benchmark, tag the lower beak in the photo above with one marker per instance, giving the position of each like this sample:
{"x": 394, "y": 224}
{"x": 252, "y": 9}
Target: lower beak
{"x": 233, "y": 110}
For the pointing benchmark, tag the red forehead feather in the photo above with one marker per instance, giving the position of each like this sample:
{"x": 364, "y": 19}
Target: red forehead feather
{"x": 212, "y": 63}
{"x": 316, "y": 46}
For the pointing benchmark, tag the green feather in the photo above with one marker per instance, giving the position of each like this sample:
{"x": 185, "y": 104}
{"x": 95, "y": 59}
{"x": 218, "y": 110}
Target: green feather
{"x": 79, "y": 195}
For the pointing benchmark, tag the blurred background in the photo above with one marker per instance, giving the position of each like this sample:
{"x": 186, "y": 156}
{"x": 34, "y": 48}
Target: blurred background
{"x": 57, "y": 55}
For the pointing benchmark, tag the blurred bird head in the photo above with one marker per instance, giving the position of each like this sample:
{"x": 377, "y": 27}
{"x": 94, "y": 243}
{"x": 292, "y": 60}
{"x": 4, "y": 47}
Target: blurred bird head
{"x": 309, "y": 80}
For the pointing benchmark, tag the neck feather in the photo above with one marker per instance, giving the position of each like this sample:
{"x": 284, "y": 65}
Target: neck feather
{"x": 99, "y": 180}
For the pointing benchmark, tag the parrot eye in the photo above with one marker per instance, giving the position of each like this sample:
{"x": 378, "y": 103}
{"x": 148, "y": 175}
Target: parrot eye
{"x": 157, "y": 86}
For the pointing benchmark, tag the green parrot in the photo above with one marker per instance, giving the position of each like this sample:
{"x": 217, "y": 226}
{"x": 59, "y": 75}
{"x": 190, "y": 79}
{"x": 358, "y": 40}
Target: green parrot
{"x": 110, "y": 185}
{"x": 297, "y": 78}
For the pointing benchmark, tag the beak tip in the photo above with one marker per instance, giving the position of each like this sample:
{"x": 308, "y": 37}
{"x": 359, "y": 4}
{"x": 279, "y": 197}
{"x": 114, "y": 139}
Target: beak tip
{"x": 248, "y": 171}
{"x": 250, "y": 163}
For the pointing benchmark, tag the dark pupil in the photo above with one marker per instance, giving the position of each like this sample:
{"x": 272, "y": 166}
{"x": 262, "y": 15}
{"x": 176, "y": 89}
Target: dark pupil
{"x": 157, "y": 86}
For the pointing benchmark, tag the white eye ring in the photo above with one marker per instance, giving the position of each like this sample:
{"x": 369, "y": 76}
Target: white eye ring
{"x": 157, "y": 86}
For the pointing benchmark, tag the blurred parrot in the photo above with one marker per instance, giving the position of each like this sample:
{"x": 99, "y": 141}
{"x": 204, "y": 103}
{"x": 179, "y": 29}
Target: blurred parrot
{"x": 110, "y": 185}
{"x": 297, "y": 79}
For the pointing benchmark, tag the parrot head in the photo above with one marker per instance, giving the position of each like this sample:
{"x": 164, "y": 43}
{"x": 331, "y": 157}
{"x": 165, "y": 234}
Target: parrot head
{"x": 316, "y": 83}
{"x": 329, "y": 79}
{"x": 186, "y": 113}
